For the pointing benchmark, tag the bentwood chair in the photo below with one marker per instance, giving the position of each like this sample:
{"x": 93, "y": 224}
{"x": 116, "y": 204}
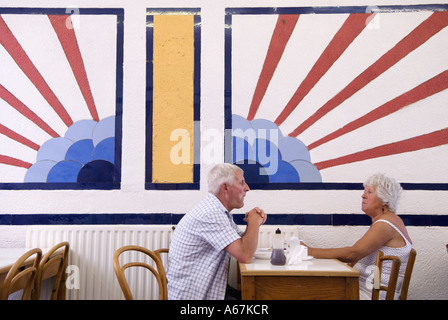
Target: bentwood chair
{"x": 53, "y": 264}
{"x": 407, "y": 274}
{"x": 159, "y": 251}
{"x": 392, "y": 284}
{"x": 164, "y": 281}
{"x": 158, "y": 273}
{"x": 21, "y": 275}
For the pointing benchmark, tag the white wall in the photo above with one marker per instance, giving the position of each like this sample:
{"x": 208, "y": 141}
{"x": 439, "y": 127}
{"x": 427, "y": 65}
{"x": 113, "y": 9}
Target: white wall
{"x": 429, "y": 280}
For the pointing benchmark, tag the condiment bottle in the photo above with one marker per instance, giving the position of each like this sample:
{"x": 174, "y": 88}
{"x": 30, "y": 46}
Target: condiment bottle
{"x": 278, "y": 257}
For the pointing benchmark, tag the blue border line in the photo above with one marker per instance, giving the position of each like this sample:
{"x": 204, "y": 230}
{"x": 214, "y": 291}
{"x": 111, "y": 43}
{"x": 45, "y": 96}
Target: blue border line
{"x": 118, "y": 94}
{"x": 173, "y": 219}
{"x": 149, "y": 97}
{"x": 333, "y": 10}
{"x": 63, "y": 11}
{"x": 195, "y": 185}
{"x": 307, "y": 10}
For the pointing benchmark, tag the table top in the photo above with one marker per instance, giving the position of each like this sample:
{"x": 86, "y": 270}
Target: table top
{"x": 312, "y": 267}
{"x": 8, "y": 256}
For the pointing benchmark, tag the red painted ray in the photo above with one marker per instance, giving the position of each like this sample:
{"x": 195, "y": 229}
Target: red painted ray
{"x": 67, "y": 38}
{"x": 13, "y": 47}
{"x": 24, "y": 110}
{"x": 14, "y": 162}
{"x": 282, "y": 32}
{"x": 422, "y": 91}
{"x": 436, "y": 22}
{"x": 425, "y": 141}
{"x": 351, "y": 28}
{"x": 17, "y": 137}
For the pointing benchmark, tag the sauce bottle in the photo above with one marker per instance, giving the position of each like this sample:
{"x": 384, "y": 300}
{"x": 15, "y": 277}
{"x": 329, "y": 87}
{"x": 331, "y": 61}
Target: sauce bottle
{"x": 278, "y": 257}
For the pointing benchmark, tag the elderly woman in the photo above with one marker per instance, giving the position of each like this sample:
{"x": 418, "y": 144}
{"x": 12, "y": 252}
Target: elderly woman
{"x": 386, "y": 233}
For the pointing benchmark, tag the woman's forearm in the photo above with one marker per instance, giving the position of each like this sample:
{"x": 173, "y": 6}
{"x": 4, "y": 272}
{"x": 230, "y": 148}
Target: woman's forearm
{"x": 346, "y": 254}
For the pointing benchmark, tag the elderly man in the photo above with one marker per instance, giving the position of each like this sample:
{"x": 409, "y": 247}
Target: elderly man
{"x": 207, "y": 236}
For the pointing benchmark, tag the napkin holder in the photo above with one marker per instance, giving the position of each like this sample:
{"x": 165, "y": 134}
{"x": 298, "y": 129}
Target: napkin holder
{"x": 296, "y": 251}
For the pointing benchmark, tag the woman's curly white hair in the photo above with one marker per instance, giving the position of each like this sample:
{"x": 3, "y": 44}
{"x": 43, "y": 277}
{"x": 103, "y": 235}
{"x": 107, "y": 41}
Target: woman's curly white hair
{"x": 388, "y": 189}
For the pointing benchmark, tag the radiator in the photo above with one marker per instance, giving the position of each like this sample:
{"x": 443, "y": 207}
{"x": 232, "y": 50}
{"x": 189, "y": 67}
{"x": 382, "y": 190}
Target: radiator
{"x": 91, "y": 252}
{"x": 90, "y": 272}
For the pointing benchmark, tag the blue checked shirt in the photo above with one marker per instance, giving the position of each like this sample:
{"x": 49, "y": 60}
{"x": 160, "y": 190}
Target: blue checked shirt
{"x": 198, "y": 264}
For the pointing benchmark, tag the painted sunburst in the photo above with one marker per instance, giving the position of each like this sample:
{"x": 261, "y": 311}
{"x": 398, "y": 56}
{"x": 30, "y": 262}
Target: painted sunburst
{"x": 361, "y": 89}
{"x": 59, "y": 97}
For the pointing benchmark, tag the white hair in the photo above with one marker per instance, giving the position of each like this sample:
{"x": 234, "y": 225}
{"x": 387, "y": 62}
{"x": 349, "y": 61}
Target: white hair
{"x": 221, "y": 173}
{"x": 388, "y": 189}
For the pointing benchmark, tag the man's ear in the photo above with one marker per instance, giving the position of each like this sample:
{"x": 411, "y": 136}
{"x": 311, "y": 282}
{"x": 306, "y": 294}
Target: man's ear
{"x": 224, "y": 186}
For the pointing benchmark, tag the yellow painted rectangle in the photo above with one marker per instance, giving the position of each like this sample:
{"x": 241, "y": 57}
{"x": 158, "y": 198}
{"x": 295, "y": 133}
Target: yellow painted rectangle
{"x": 173, "y": 94}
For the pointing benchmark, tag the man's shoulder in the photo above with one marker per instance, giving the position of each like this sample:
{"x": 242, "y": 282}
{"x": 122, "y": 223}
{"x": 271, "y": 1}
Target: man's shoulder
{"x": 208, "y": 210}
{"x": 210, "y": 203}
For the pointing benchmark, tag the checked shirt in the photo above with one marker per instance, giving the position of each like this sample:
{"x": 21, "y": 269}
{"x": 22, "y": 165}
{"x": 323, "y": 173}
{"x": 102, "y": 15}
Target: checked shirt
{"x": 198, "y": 264}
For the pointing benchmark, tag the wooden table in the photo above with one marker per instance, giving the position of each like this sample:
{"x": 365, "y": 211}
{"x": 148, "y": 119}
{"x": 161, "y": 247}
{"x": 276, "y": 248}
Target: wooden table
{"x": 8, "y": 256}
{"x": 321, "y": 279}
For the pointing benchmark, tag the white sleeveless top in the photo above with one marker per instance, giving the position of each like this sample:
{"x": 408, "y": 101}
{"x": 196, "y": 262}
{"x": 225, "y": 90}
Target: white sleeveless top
{"x": 366, "y": 267}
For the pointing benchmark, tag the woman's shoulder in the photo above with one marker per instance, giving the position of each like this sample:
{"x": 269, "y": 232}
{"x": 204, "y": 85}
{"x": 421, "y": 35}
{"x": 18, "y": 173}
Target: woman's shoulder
{"x": 396, "y": 223}
{"x": 392, "y": 219}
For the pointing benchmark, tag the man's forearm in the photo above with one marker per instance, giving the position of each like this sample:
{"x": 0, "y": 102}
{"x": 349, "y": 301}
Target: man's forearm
{"x": 250, "y": 239}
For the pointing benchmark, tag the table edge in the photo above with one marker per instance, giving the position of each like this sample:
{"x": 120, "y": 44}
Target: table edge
{"x": 349, "y": 273}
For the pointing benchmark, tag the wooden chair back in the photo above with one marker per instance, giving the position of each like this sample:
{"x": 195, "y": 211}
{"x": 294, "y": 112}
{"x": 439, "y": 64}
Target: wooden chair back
{"x": 52, "y": 265}
{"x": 158, "y": 252}
{"x": 159, "y": 274}
{"x": 21, "y": 275}
{"x": 407, "y": 274}
{"x": 390, "y": 288}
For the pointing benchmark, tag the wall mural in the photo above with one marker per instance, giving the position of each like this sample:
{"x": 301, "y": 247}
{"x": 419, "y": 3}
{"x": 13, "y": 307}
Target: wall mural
{"x": 173, "y": 48}
{"x": 60, "y": 98}
{"x": 314, "y": 97}
{"x": 321, "y": 98}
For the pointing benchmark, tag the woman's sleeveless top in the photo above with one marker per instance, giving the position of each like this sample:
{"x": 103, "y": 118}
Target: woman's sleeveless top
{"x": 366, "y": 267}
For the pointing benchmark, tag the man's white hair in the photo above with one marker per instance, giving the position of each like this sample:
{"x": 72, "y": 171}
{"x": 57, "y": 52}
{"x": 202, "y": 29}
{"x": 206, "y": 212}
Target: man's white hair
{"x": 221, "y": 173}
{"x": 388, "y": 189}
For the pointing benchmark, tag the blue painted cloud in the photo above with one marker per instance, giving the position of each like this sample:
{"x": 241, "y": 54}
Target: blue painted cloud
{"x": 266, "y": 156}
{"x": 85, "y": 154}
